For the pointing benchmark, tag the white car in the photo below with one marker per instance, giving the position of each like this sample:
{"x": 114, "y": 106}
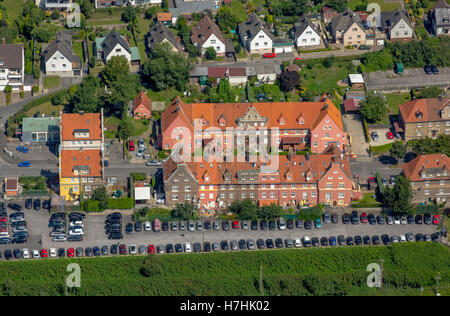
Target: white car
{"x": 76, "y": 223}
{"x": 297, "y": 242}
{"x": 35, "y": 254}
{"x": 147, "y": 226}
{"x": 397, "y": 220}
{"x": 281, "y": 224}
{"x": 75, "y": 232}
{"x": 403, "y": 220}
{"x": 402, "y": 238}
{"x": 52, "y": 253}
{"x": 187, "y": 247}
{"x": 25, "y": 253}
{"x": 160, "y": 201}
{"x": 133, "y": 249}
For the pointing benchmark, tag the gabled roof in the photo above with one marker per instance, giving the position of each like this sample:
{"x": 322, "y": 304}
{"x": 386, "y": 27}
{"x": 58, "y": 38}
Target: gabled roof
{"x": 11, "y": 56}
{"x": 441, "y": 13}
{"x": 423, "y": 110}
{"x": 344, "y": 21}
{"x": 142, "y": 99}
{"x": 203, "y": 31}
{"x": 88, "y": 121}
{"x": 434, "y": 163}
{"x": 62, "y": 44}
{"x": 90, "y": 160}
{"x": 158, "y": 33}
{"x": 301, "y": 25}
{"x": 391, "y": 19}
{"x": 252, "y": 26}
{"x": 111, "y": 40}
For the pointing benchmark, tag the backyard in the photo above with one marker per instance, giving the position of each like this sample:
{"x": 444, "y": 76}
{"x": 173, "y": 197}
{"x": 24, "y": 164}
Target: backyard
{"x": 14, "y": 9}
{"x": 51, "y": 82}
{"x": 47, "y": 108}
{"x": 394, "y": 99}
{"x": 320, "y": 79}
{"x": 384, "y": 5}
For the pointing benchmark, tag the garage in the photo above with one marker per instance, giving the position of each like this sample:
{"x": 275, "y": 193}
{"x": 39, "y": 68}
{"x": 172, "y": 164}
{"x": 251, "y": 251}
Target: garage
{"x": 283, "y": 45}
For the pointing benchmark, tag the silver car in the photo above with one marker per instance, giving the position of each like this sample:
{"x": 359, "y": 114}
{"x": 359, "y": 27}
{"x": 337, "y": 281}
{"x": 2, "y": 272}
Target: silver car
{"x": 59, "y": 238}
{"x": 199, "y": 225}
{"x": 250, "y": 244}
{"x": 234, "y": 245}
{"x": 191, "y": 226}
{"x": 244, "y": 224}
{"x": 142, "y": 250}
{"x": 215, "y": 246}
{"x": 216, "y": 225}
{"x": 141, "y": 151}
{"x": 141, "y": 143}
{"x": 182, "y": 225}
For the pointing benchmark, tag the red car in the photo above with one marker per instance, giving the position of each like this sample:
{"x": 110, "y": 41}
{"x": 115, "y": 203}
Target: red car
{"x": 364, "y": 219}
{"x": 390, "y": 135}
{"x": 151, "y": 249}
{"x": 44, "y": 253}
{"x": 70, "y": 253}
{"x": 3, "y": 219}
{"x": 123, "y": 249}
{"x": 436, "y": 220}
{"x": 270, "y": 55}
{"x": 298, "y": 58}
{"x": 235, "y": 225}
{"x": 130, "y": 145}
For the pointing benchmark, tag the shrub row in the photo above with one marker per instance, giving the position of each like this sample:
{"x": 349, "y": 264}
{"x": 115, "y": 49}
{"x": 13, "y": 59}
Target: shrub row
{"x": 124, "y": 203}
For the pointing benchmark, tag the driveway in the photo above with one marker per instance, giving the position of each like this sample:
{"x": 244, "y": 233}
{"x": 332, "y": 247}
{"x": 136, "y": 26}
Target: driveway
{"x": 354, "y": 127}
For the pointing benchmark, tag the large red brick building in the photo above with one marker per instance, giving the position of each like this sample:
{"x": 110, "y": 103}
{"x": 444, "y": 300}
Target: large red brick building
{"x": 301, "y": 124}
{"x": 297, "y": 180}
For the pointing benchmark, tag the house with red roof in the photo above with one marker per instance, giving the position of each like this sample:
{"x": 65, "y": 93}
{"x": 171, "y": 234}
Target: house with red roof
{"x": 142, "y": 106}
{"x": 430, "y": 178}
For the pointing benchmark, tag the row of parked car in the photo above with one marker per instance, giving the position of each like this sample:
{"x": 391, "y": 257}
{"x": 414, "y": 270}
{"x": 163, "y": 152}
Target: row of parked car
{"x": 18, "y": 228}
{"x": 224, "y": 245}
{"x": 60, "y": 232}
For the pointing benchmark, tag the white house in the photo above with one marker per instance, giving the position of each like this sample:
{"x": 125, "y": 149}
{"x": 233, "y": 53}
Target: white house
{"x": 255, "y": 36}
{"x": 12, "y": 66}
{"x": 397, "y": 25}
{"x": 112, "y": 45}
{"x": 305, "y": 34}
{"x": 59, "y": 57}
{"x": 207, "y": 34}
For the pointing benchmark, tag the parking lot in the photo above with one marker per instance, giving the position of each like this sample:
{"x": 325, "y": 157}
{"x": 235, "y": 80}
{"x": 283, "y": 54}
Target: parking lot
{"x": 36, "y": 152}
{"x": 411, "y": 78}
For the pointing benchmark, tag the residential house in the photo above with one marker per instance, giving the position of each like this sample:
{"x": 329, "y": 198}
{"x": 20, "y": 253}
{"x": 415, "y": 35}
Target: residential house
{"x": 397, "y": 25}
{"x": 12, "y": 186}
{"x": 347, "y": 29}
{"x": 255, "y": 36}
{"x": 12, "y": 66}
{"x": 207, "y": 34}
{"x": 440, "y": 18}
{"x": 59, "y": 58}
{"x": 430, "y": 178}
{"x": 160, "y": 33}
{"x": 142, "y": 106}
{"x": 235, "y": 76}
{"x": 40, "y": 130}
{"x": 115, "y": 44}
{"x": 297, "y": 180}
{"x": 305, "y": 33}
{"x": 266, "y": 73}
{"x": 80, "y": 154}
{"x": 164, "y": 17}
{"x": 186, "y": 8}
{"x": 424, "y": 118}
{"x": 315, "y": 125}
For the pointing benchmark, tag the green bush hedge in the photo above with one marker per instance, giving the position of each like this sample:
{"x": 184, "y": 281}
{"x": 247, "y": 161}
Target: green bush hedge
{"x": 125, "y": 203}
{"x": 91, "y": 206}
{"x": 376, "y": 150}
{"x": 138, "y": 176}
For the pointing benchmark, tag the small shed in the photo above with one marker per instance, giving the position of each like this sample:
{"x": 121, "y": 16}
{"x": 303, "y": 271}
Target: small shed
{"x": 11, "y": 186}
{"x": 356, "y": 80}
{"x": 142, "y": 192}
{"x": 399, "y": 68}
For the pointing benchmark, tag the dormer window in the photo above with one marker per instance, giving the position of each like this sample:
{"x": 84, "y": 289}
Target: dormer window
{"x": 81, "y": 133}
{"x": 419, "y": 114}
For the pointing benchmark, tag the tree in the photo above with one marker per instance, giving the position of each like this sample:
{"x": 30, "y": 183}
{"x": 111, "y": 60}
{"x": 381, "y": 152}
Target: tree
{"x": 246, "y": 209}
{"x": 166, "y": 69}
{"x": 121, "y": 91}
{"x": 185, "y": 211}
{"x": 115, "y": 68}
{"x": 226, "y": 20}
{"x": 398, "y": 150}
{"x": 399, "y": 197}
{"x": 430, "y": 92}
{"x": 210, "y": 53}
{"x": 271, "y": 211}
{"x": 328, "y": 62}
{"x": 85, "y": 97}
{"x": 129, "y": 15}
{"x": 100, "y": 195}
{"x": 373, "y": 108}
{"x": 152, "y": 266}
{"x": 289, "y": 80}
{"x": 124, "y": 129}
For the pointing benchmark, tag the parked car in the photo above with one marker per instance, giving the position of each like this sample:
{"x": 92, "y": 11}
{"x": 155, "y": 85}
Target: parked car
{"x": 428, "y": 70}
{"x": 270, "y": 55}
{"x": 131, "y": 146}
{"x": 436, "y": 220}
{"x": 141, "y": 143}
{"x": 22, "y": 149}
{"x": 375, "y": 136}
{"x": 24, "y": 164}
{"x": 435, "y": 69}
{"x": 390, "y": 135}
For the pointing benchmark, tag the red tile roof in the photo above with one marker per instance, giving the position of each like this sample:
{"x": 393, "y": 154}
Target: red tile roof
{"x": 352, "y": 105}
{"x": 423, "y": 110}
{"x": 434, "y": 163}
{"x": 143, "y": 99}
{"x": 88, "y": 121}
{"x": 237, "y": 72}
{"x": 164, "y": 16}
{"x": 81, "y": 158}
{"x": 217, "y": 72}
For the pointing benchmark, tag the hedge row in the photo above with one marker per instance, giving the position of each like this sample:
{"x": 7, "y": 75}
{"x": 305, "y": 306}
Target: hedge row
{"x": 125, "y": 203}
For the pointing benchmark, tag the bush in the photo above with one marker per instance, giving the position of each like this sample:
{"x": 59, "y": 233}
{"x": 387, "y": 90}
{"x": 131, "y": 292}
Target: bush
{"x": 152, "y": 266}
{"x": 310, "y": 214}
{"x": 91, "y": 206}
{"x": 125, "y": 203}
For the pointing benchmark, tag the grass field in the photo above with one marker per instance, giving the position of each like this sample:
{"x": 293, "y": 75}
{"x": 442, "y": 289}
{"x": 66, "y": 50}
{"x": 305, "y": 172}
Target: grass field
{"x": 14, "y": 8}
{"x": 78, "y": 49}
{"x": 51, "y": 82}
{"x": 320, "y": 79}
{"x": 385, "y": 6}
{"x": 394, "y": 99}
{"x": 46, "y": 108}
{"x": 338, "y": 271}
{"x": 238, "y": 10}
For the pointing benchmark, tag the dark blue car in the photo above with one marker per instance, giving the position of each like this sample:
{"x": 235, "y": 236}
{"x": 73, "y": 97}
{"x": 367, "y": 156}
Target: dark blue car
{"x": 22, "y": 149}
{"x": 332, "y": 241}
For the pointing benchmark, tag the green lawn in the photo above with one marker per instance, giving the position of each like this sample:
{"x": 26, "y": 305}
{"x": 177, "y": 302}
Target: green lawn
{"x": 138, "y": 128}
{"x": 14, "y": 9}
{"x": 320, "y": 79}
{"x": 46, "y": 108}
{"x": 385, "y": 6}
{"x": 51, "y": 82}
{"x": 394, "y": 99}
{"x": 238, "y": 10}
{"x": 78, "y": 49}
{"x": 166, "y": 95}
{"x": 141, "y": 47}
